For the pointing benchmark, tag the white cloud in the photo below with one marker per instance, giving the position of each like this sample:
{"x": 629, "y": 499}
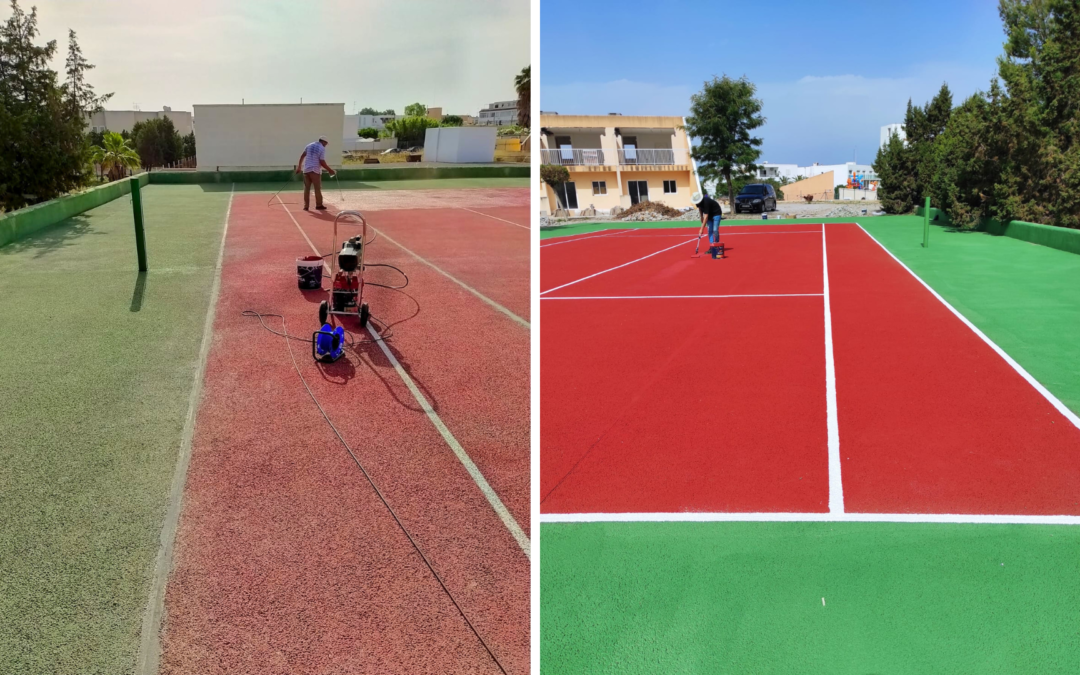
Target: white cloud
{"x": 381, "y": 53}
{"x": 825, "y": 119}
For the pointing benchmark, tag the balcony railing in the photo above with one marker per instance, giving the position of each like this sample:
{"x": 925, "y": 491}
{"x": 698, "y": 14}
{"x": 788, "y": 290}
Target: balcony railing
{"x": 626, "y": 157}
{"x": 652, "y": 156}
{"x": 575, "y": 156}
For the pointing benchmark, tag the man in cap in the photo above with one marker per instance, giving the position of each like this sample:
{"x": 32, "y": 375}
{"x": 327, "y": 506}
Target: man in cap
{"x": 710, "y": 215}
{"x": 312, "y": 162}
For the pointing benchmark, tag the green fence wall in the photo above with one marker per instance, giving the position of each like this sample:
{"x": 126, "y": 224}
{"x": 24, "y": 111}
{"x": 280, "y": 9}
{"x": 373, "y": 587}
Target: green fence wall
{"x": 24, "y": 222}
{"x": 1061, "y": 238}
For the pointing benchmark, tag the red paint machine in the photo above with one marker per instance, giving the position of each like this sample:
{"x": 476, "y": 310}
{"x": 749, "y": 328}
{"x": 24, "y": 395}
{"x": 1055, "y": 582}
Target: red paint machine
{"x": 347, "y": 276}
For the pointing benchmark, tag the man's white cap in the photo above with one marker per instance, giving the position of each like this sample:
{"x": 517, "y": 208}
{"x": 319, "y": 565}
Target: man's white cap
{"x": 323, "y": 139}
{"x": 696, "y": 198}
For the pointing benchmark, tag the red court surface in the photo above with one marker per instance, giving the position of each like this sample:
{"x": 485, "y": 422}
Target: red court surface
{"x": 931, "y": 419}
{"x": 286, "y": 561}
{"x": 713, "y": 404}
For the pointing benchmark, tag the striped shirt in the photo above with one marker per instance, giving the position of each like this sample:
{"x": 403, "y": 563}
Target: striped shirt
{"x": 315, "y": 152}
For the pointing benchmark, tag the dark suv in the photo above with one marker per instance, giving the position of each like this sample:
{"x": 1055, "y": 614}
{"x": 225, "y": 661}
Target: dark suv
{"x": 756, "y": 197}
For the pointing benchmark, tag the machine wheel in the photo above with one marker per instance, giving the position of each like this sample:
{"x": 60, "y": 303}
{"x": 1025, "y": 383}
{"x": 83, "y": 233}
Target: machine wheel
{"x": 363, "y": 315}
{"x": 324, "y": 312}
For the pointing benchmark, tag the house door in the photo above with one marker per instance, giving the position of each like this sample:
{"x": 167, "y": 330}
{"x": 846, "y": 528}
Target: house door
{"x": 639, "y": 191}
{"x": 566, "y": 194}
{"x": 630, "y": 150}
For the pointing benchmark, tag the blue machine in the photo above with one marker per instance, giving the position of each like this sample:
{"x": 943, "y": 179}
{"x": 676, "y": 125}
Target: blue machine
{"x": 328, "y": 344}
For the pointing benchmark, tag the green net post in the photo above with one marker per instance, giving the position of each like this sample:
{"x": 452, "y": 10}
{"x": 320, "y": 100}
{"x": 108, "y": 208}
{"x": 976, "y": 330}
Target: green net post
{"x": 136, "y": 207}
{"x": 926, "y": 224}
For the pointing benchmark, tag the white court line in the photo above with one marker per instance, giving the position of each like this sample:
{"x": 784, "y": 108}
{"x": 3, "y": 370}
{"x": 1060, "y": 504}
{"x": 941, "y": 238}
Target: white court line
{"x": 836, "y": 483}
{"x": 1061, "y": 407}
{"x": 478, "y": 477}
{"x": 806, "y": 518}
{"x": 571, "y": 241}
{"x": 618, "y": 266}
{"x": 466, "y": 461}
{"x": 665, "y": 297}
{"x": 524, "y": 227}
{"x": 149, "y": 656}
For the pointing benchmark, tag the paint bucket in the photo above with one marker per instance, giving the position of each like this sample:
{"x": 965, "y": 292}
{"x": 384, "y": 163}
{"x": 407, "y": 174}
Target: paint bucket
{"x": 764, "y": 216}
{"x": 309, "y": 272}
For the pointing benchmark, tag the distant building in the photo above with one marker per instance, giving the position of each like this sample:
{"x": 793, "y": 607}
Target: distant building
{"x": 617, "y": 161}
{"x": 890, "y": 129}
{"x": 123, "y": 120}
{"x": 498, "y": 113}
{"x": 842, "y": 173}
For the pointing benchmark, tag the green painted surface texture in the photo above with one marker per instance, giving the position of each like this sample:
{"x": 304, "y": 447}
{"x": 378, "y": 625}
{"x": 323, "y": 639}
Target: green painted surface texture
{"x": 96, "y": 369}
{"x": 747, "y": 598}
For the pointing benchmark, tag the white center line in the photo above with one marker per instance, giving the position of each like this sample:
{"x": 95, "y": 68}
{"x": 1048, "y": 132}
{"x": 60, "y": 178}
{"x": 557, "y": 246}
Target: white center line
{"x": 685, "y": 517}
{"x": 836, "y": 484}
{"x": 668, "y": 297}
{"x": 617, "y": 267}
{"x": 489, "y": 493}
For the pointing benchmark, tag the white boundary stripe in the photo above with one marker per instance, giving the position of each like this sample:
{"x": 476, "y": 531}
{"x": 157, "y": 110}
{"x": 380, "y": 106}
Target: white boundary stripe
{"x": 681, "y": 243}
{"x": 601, "y": 236}
{"x": 478, "y": 477}
{"x": 149, "y": 656}
{"x": 836, "y": 483}
{"x": 805, "y": 518}
{"x": 668, "y": 297}
{"x": 524, "y": 227}
{"x": 1061, "y": 407}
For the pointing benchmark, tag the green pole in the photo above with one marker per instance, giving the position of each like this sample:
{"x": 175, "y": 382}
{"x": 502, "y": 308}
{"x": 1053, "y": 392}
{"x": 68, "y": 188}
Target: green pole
{"x": 136, "y": 207}
{"x": 926, "y": 224}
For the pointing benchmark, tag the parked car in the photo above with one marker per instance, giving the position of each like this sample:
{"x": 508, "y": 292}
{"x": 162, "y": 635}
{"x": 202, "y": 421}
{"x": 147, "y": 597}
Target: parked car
{"x": 756, "y": 198}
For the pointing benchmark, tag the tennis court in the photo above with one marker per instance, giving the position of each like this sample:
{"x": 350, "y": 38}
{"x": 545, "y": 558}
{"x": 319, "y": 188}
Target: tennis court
{"x": 809, "y": 378}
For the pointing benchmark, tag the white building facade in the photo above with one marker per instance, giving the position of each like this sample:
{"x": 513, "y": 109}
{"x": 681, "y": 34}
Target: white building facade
{"x": 890, "y": 129}
{"x": 123, "y": 120}
{"x": 268, "y": 136}
{"x": 842, "y": 173}
{"x": 498, "y": 114}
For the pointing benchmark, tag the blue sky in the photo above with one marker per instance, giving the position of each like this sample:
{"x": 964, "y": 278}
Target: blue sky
{"x": 830, "y": 75}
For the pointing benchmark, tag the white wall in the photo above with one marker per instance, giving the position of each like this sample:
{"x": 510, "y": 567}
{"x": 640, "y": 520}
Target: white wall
{"x": 459, "y": 145}
{"x": 351, "y": 126}
{"x": 265, "y": 136}
{"x": 124, "y": 120}
{"x": 890, "y": 129}
{"x": 356, "y": 143}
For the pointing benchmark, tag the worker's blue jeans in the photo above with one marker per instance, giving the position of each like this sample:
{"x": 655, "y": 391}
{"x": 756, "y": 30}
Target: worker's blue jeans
{"x": 714, "y": 229}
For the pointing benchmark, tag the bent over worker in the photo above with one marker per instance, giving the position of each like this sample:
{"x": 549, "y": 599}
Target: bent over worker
{"x": 710, "y": 215}
{"x": 312, "y": 162}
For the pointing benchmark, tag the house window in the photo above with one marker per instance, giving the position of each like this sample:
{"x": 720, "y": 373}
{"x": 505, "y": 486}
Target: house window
{"x": 566, "y": 195}
{"x": 669, "y": 187}
{"x": 599, "y": 187}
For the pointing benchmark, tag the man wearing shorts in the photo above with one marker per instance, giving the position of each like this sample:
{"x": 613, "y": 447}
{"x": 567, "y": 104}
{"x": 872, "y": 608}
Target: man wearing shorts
{"x": 312, "y": 162}
{"x": 710, "y": 215}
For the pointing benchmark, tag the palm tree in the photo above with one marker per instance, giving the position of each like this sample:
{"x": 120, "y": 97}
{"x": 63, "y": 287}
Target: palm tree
{"x": 115, "y": 156}
{"x": 523, "y": 85}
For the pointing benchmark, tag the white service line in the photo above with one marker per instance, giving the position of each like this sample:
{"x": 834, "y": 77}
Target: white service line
{"x": 669, "y": 297}
{"x": 1061, "y": 407}
{"x": 684, "y": 517}
{"x": 466, "y": 461}
{"x": 571, "y": 241}
{"x": 836, "y": 483}
{"x": 524, "y": 227}
{"x": 618, "y": 266}
{"x": 478, "y": 477}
